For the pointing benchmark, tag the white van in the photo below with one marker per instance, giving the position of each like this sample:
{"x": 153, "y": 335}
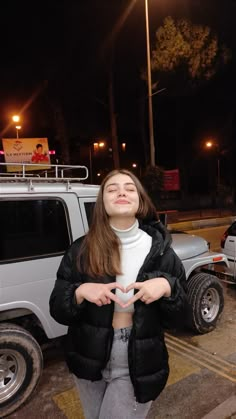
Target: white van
{"x": 40, "y": 217}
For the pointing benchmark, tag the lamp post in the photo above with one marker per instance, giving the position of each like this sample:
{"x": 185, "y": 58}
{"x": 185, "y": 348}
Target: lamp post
{"x": 149, "y": 77}
{"x": 16, "y": 119}
{"x": 218, "y": 173}
{"x": 18, "y": 127}
{"x": 90, "y": 164}
{"x": 212, "y": 144}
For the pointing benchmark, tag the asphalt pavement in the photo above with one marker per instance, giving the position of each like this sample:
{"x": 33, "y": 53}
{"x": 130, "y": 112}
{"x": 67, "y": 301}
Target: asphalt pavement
{"x": 202, "y": 382}
{"x": 226, "y": 409}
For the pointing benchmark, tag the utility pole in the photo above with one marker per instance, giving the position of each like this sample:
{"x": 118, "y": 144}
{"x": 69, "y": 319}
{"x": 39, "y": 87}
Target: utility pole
{"x": 149, "y": 76}
{"x": 114, "y": 139}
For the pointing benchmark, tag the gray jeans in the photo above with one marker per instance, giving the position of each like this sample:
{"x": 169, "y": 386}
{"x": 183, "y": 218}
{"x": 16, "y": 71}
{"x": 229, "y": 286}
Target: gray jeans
{"x": 113, "y": 396}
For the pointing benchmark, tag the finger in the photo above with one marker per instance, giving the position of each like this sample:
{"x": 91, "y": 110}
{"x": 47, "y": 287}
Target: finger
{"x": 146, "y": 300}
{"x": 114, "y": 285}
{"x": 114, "y": 298}
{"x": 134, "y": 285}
{"x": 133, "y": 299}
{"x": 149, "y": 301}
{"x": 103, "y": 300}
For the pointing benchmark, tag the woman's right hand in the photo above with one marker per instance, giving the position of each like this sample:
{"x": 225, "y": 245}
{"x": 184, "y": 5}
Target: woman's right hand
{"x": 99, "y": 294}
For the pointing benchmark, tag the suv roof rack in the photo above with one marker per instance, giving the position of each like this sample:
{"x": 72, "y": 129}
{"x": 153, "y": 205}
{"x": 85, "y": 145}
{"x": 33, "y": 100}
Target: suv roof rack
{"x": 53, "y": 172}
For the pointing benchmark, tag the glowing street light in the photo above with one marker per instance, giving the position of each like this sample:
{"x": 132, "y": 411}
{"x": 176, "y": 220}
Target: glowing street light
{"x": 211, "y": 144}
{"x": 96, "y": 146}
{"x": 16, "y": 119}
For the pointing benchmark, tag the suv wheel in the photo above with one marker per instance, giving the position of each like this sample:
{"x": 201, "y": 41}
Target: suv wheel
{"x": 206, "y": 298}
{"x": 21, "y": 364}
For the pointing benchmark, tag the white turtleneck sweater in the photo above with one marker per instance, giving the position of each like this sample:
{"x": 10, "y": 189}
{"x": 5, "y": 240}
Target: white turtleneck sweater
{"x": 135, "y": 245}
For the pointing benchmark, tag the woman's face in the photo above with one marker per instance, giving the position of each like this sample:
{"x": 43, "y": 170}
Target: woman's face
{"x": 120, "y": 197}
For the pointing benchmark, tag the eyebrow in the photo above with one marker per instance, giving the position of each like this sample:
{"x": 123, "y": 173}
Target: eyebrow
{"x": 116, "y": 184}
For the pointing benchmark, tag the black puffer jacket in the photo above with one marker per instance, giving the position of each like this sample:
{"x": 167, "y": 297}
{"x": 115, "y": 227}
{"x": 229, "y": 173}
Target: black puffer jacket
{"x": 90, "y": 332}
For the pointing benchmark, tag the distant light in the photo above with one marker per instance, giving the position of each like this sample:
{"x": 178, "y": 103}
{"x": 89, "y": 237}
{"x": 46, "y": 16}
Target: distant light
{"x": 209, "y": 144}
{"x": 123, "y": 146}
{"x": 98, "y": 174}
{"x": 2, "y": 152}
{"x": 98, "y": 145}
{"x": 134, "y": 165}
{"x": 16, "y": 118}
{"x": 18, "y": 126}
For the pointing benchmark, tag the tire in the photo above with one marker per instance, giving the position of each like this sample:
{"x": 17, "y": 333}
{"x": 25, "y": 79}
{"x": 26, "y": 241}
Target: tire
{"x": 21, "y": 364}
{"x": 206, "y": 299}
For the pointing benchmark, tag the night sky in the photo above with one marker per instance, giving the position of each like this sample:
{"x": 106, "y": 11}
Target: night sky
{"x": 62, "y": 49}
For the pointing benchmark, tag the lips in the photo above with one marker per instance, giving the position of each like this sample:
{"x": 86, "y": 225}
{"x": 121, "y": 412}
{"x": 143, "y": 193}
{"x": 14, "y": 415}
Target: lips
{"x": 122, "y": 201}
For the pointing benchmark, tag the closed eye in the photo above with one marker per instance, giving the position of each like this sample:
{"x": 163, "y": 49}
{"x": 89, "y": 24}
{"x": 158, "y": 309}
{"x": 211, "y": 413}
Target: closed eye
{"x": 111, "y": 190}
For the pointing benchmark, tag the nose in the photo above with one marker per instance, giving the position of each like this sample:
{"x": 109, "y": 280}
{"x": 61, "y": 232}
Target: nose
{"x": 122, "y": 192}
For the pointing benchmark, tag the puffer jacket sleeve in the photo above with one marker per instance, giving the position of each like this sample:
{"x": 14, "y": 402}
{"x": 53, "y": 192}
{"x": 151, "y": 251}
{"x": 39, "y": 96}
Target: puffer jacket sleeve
{"x": 63, "y": 306}
{"x": 173, "y": 310}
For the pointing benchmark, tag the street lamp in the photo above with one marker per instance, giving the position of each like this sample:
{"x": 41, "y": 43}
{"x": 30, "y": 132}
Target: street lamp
{"x": 18, "y": 127}
{"x": 137, "y": 168}
{"x": 211, "y": 145}
{"x": 94, "y": 147}
{"x": 149, "y": 77}
{"x": 16, "y": 119}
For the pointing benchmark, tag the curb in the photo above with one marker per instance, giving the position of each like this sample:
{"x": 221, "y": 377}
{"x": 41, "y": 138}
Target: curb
{"x": 198, "y": 224}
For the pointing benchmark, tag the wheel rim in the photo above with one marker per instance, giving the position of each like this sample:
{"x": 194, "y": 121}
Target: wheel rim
{"x": 12, "y": 373}
{"x": 210, "y": 305}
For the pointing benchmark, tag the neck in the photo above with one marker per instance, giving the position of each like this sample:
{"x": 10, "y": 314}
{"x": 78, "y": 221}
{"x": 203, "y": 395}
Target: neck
{"x": 122, "y": 223}
{"x": 128, "y": 237}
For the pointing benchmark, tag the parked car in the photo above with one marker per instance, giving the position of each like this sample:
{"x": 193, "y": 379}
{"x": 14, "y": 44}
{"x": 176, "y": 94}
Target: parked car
{"x": 228, "y": 247}
{"x": 40, "y": 217}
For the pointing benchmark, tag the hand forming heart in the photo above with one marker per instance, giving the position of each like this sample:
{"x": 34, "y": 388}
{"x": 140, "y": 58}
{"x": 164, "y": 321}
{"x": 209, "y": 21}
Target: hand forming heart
{"x": 101, "y": 294}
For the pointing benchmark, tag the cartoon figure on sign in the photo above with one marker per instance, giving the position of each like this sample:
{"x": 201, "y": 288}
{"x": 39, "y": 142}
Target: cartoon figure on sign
{"x": 39, "y": 155}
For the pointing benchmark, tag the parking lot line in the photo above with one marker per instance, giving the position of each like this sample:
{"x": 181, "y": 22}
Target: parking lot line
{"x": 202, "y": 358}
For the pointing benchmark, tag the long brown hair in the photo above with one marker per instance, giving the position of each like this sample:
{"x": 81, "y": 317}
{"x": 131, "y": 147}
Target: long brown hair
{"x": 99, "y": 253}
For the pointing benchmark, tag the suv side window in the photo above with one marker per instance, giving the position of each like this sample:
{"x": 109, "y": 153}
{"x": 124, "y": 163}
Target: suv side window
{"x": 232, "y": 230}
{"x": 89, "y": 207}
{"x": 32, "y": 228}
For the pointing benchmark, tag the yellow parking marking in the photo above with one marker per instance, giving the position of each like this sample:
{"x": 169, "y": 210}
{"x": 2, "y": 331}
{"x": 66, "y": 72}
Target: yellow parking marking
{"x": 202, "y": 358}
{"x": 69, "y": 402}
{"x": 221, "y": 340}
{"x": 180, "y": 368}
{"x": 185, "y": 359}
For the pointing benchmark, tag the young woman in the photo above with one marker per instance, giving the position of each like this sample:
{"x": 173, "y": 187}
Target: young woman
{"x": 116, "y": 288}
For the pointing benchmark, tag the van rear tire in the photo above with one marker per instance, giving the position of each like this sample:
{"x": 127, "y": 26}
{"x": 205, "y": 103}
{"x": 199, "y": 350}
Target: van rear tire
{"x": 21, "y": 365}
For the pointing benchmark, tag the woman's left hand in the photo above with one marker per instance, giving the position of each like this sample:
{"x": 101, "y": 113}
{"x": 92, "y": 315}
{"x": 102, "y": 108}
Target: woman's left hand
{"x": 149, "y": 291}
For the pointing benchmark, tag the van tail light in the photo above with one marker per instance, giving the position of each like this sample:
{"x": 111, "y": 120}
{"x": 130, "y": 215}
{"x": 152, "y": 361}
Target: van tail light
{"x": 223, "y": 238}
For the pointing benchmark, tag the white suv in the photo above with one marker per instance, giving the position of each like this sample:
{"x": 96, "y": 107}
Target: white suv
{"x": 228, "y": 247}
{"x": 40, "y": 217}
